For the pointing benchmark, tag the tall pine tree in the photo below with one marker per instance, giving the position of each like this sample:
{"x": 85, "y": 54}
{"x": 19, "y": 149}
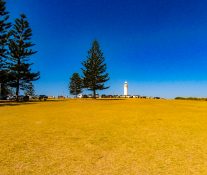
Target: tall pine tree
{"x": 94, "y": 70}
{"x": 4, "y": 36}
{"x": 75, "y": 84}
{"x": 20, "y": 52}
{"x": 29, "y": 89}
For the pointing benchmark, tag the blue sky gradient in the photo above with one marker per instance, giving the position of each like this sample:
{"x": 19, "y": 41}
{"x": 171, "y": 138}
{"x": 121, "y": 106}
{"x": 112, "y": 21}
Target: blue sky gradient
{"x": 158, "y": 46}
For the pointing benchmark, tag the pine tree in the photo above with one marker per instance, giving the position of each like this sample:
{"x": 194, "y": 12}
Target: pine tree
{"x": 75, "y": 85}
{"x": 20, "y": 52}
{"x": 4, "y": 36}
{"x": 29, "y": 89}
{"x": 94, "y": 71}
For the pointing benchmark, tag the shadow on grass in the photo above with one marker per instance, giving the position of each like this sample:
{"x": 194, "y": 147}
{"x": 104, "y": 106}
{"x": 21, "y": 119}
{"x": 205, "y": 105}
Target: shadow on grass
{"x": 98, "y": 99}
{"x": 13, "y": 103}
{"x": 111, "y": 99}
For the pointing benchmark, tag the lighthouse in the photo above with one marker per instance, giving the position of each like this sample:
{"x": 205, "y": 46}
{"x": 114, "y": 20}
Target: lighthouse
{"x": 125, "y": 88}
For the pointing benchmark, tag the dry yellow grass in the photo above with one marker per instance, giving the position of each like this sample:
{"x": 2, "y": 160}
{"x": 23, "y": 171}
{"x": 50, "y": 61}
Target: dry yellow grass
{"x": 104, "y": 137}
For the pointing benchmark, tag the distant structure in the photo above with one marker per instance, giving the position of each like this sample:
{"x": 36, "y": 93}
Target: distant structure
{"x": 125, "y": 89}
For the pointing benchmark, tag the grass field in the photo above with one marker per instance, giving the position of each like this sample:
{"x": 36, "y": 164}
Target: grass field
{"x": 104, "y": 137}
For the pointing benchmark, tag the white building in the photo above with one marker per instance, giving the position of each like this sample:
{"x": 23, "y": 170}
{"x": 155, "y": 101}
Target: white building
{"x": 125, "y": 89}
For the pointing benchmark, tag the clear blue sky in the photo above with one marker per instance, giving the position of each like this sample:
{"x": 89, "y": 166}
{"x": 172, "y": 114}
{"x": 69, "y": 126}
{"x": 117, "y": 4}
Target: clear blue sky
{"x": 158, "y": 46}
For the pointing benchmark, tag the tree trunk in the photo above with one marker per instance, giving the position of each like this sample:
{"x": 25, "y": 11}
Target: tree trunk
{"x": 17, "y": 91}
{"x": 17, "y": 88}
{"x": 1, "y": 87}
{"x": 94, "y": 94}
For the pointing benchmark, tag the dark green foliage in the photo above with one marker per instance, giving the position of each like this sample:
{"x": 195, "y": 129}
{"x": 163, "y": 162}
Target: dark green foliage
{"x": 76, "y": 84}
{"x": 29, "y": 89}
{"x": 190, "y": 98}
{"x": 4, "y": 36}
{"x": 94, "y": 71}
{"x": 6, "y": 90}
{"x": 4, "y": 81}
{"x": 4, "y": 33}
{"x": 20, "y": 51}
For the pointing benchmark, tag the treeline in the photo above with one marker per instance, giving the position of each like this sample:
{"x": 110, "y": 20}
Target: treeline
{"x": 190, "y": 98}
{"x": 15, "y": 52}
{"x": 93, "y": 75}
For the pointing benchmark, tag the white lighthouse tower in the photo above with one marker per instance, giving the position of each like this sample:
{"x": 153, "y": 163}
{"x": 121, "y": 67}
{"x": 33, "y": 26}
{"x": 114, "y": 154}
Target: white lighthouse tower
{"x": 125, "y": 89}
